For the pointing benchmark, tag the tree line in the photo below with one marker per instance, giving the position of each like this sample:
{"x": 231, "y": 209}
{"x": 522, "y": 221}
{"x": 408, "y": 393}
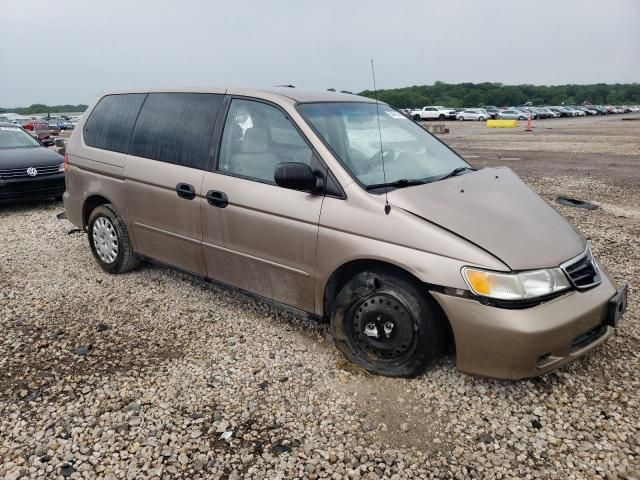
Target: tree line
{"x": 480, "y": 94}
{"x": 459, "y": 95}
{"x": 42, "y": 108}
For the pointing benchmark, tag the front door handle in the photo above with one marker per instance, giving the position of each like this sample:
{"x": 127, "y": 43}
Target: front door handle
{"x": 184, "y": 190}
{"x": 217, "y": 199}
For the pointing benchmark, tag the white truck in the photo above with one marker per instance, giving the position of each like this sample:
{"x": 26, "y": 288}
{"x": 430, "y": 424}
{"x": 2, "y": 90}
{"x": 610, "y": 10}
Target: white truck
{"x": 433, "y": 113}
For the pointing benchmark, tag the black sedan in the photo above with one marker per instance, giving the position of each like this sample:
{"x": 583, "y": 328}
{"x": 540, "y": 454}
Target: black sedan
{"x": 28, "y": 170}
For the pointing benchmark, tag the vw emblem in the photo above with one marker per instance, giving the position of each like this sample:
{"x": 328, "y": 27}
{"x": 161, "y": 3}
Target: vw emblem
{"x": 32, "y": 172}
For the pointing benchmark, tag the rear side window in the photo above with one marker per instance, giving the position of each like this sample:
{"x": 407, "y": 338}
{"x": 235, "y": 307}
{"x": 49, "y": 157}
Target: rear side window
{"x": 177, "y": 128}
{"x": 111, "y": 122}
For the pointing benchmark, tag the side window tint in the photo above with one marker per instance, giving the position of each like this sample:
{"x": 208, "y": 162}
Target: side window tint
{"x": 256, "y": 138}
{"x": 110, "y": 124}
{"x": 177, "y": 128}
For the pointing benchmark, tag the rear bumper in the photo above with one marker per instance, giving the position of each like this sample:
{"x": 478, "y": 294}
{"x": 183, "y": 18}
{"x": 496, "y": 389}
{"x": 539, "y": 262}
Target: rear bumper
{"x": 515, "y": 344}
{"x": 31, "y": 188}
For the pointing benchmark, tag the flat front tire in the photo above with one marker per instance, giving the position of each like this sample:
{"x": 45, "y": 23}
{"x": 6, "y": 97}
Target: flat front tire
{"x": 109, "y": 240}
{"x": 387, "y": 324}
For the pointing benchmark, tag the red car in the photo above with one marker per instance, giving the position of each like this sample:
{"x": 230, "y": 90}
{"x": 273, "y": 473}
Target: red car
{"x": 42, "y": 132}
{"x": 27, "y": 124}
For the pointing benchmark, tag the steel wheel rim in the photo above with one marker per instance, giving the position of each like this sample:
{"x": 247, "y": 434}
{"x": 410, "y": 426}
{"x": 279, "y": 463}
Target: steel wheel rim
{"x": 395, "y": 327}
{"x": 105, "y": 240}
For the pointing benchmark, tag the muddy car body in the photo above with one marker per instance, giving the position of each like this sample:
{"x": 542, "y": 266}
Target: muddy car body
{"x": 344, "y": 209}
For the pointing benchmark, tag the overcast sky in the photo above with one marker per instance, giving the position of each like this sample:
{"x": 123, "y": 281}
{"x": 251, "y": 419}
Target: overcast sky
{"x": 66, "y": 51}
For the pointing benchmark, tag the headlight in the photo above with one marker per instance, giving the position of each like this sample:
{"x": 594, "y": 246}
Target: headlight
{"x": 515, "y": 286}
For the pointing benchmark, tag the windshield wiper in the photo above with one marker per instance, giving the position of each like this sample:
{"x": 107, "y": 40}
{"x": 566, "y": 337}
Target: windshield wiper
{"x": 455, "y": 172}
{"x": 403, "y": 182}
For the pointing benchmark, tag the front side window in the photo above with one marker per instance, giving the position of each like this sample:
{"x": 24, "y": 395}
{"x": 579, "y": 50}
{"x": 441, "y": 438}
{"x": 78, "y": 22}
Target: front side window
{"x": 13, "y": 137}
{"x": 351, "y": 131}
{"x": 256, "y": 138}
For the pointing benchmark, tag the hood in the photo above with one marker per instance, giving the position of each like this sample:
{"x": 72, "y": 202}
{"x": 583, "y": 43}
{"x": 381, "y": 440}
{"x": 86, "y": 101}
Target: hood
{"x": 497, "y": 211}
{"x": 28, "y": 157}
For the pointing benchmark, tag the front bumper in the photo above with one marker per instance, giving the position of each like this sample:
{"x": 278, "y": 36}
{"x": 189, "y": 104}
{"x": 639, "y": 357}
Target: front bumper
{"x": 31, "y": 188}
{"x": 515, "y": 344}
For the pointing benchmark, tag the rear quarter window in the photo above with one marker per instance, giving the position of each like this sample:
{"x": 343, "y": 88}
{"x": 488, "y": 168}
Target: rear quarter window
{"x": 177, "y": 128}
{"x": 111, "y": 122}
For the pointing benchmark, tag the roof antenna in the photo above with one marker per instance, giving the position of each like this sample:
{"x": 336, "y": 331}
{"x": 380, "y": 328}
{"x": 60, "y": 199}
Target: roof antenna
{"x": 387, "y": 207}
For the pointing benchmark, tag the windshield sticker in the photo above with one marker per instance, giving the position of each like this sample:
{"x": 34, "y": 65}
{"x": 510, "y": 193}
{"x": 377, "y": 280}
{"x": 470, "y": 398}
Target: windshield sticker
{"x": 396, "y": 115}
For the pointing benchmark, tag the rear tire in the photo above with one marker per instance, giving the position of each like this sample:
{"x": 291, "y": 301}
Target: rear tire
{"x": 109, "y": 240}
{"x": 387, "y": 324}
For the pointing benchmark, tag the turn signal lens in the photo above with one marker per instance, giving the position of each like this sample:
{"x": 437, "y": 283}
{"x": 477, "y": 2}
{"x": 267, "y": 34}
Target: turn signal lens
{"x": 479, "y": 282}
{"x": 515, "y": 286}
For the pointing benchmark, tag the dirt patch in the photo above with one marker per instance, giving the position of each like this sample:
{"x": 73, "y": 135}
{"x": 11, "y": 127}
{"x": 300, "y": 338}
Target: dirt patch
{"x": 398, "y": 414}
{"x": 44, "y": 353}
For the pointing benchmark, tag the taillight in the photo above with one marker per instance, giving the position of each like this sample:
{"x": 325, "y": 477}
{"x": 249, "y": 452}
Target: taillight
{"x": 66, "y": 163}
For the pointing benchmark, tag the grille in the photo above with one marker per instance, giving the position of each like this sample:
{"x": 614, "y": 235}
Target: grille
{"x": 582, "y": 271}
{"x": 22, "y": 172}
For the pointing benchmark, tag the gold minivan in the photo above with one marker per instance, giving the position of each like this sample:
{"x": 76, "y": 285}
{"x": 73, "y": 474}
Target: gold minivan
{"x": 344, "y": 209}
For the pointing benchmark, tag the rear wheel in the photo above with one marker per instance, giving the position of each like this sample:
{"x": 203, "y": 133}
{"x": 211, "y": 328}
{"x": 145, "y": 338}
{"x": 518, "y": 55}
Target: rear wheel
{"x": 481, "y": 119}
{"x": 109, "y": 240}
{"x": 461, "y": 118}
{"x": 387, "y": 324}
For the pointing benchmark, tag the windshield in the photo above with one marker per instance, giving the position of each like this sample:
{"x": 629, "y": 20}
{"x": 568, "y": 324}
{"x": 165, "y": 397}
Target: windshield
{"x": 351, "y": 131}
{"x": 11, "y": 137}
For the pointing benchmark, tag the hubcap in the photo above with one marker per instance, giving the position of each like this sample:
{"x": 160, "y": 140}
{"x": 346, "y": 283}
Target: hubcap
{"x": 382, "y": 328}
{"x": 105, "y": 240}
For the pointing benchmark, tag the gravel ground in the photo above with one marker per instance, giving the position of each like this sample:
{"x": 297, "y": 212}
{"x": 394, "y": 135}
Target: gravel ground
{"x": 145, "y": 375}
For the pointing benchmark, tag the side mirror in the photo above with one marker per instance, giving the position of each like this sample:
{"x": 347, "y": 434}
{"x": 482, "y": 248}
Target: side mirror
{"x": 297, "y": 176}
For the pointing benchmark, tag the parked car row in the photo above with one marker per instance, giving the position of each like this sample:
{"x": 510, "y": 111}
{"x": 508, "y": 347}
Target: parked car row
{"x": 43, "y": 130}
{"x": 522, "y": 112}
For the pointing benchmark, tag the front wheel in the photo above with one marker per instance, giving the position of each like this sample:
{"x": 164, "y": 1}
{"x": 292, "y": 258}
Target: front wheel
{"x": 481, "y": 119}
{"x": 417, "y": 118}
{"x": 441, "y": 117}
{"x": 387, "y": 324}
{"x": 461, "y": 119}
{"x": 109, "y": 240}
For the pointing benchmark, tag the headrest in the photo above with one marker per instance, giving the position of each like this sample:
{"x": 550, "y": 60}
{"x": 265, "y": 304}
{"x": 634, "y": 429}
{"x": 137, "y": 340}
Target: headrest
{"x": 256, "y": 140}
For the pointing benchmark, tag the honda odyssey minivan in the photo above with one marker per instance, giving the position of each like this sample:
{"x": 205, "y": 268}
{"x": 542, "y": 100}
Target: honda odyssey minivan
{"x": 344, "y": 209}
